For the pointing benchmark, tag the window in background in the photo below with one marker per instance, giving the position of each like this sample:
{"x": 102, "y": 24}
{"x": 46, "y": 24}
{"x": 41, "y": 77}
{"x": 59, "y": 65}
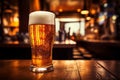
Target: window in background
{"x": 76, "y": 27}
{"x": 72, "y": 26}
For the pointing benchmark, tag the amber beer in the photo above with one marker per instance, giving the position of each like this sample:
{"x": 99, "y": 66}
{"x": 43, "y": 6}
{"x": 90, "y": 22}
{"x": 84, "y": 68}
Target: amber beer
{"x": 41, "y": 33}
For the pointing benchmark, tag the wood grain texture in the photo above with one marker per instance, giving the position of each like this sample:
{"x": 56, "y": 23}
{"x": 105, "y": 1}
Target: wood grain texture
{"x": 63, "y": 70}
{"x": 112, "y": 67}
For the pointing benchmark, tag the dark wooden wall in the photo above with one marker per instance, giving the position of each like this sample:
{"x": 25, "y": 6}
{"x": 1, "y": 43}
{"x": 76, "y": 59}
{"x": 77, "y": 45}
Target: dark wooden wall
{"x": 24, "y": 9}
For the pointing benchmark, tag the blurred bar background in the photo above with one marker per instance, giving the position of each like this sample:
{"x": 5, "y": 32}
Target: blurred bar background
{"x": 92, "y": 27}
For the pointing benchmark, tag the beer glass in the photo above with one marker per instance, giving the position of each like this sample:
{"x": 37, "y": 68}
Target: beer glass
{"x": 41, "y": 33}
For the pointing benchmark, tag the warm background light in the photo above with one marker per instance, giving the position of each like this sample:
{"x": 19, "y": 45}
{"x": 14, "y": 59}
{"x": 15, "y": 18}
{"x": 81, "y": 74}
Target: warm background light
{"x": 88, "y": 18}
{"x": 92, "y": 11}
{"x": 60, "y": 10}
{"x": 84, "y": 12}
{"x": 78, "y": 10}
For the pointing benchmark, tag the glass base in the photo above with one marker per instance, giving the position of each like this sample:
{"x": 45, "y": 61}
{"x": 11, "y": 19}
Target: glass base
{"x": 41, "y": 69}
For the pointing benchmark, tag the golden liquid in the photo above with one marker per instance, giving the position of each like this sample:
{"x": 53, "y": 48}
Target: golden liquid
{"x": 41, "y": 40}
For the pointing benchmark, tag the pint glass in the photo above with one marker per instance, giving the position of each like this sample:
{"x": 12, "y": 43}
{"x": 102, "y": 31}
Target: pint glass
{"x": 41, "y": 33}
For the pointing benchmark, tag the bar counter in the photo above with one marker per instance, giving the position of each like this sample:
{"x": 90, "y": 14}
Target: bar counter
{"x": 17, "y": 50}
{"x": 102, "y": 49}
{"x": 57, "y": 44}
{"x": 63, "y": 70}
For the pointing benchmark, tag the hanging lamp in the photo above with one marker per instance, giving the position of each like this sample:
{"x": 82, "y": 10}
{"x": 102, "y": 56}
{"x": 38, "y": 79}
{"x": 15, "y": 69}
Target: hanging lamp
{"x": 84, "y": 11}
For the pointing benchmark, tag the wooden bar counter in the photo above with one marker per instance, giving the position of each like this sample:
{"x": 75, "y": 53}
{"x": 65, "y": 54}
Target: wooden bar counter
{"x": 63, "y": 70}
{"x": 102, "y": 49}
{"x": 17, "y": 50}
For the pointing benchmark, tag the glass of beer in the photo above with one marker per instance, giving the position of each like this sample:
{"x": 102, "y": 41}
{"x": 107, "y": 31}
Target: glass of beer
{"x": 41, "y": 33}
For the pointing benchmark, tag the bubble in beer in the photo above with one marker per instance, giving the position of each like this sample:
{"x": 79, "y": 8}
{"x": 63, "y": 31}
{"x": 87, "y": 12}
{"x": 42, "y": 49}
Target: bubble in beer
{"x": 41, "y": 17}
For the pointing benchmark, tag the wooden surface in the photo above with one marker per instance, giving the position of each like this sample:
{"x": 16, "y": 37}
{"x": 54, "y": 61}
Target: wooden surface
{"x": 57, "y": 44}
{"x": 64, "y": 44}
{"x": 102, "y": 49}
{"x": 63, "y": 70}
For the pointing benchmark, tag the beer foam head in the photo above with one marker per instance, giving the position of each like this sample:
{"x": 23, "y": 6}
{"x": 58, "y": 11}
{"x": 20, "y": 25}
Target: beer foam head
{"x": 41, "y": 17}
